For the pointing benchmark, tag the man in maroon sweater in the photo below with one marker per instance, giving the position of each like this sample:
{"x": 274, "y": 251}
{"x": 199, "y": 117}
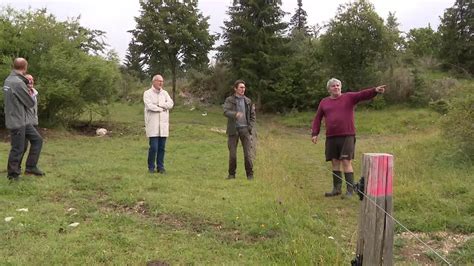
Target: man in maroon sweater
{"x": 338, "y": 113}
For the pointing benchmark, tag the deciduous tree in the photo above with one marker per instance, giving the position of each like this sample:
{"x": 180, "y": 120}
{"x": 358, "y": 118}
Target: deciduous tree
{"x": 355, "y": 43}
{"x": 171, "y": 35}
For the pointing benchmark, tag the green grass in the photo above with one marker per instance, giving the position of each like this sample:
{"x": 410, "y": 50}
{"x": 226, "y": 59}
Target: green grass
{"x": 193, "y": 216}
{"x": 399, "y": 120}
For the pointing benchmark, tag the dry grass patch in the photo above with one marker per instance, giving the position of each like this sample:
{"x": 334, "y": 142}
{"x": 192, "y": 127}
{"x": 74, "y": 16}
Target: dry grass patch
{"x": 445, "y": 242}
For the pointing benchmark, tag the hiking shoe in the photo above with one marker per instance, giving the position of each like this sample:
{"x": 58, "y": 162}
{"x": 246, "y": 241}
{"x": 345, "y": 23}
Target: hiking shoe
{"x": 162, "y": 171}
{"x": 230, "y": 177}
{"x": 250, "y": 177}
{"x": 13, "y": 177}
{"x": 333, "y": 193}
{"x": 34, "y": 171}
{"x": 151, "y": 171}
{"x": 348, "y": 195}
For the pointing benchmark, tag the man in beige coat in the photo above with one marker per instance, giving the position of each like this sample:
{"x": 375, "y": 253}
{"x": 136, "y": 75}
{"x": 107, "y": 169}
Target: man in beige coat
{"x": 157, "y": 105}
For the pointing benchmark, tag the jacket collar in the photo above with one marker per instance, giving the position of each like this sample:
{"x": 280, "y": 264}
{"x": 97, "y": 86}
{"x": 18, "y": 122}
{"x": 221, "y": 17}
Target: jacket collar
{"x": 21, "y": 76}
{"x": 155, "y": 90}
{"x": 234, "y": 98}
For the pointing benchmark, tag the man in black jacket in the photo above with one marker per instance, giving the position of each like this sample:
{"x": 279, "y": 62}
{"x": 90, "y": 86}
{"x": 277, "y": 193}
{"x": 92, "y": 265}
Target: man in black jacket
{"x": 240, "y": 113}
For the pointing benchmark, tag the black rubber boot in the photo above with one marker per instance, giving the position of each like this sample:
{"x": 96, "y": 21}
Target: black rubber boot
{"x": 337, "y": 184}
{"x": 350, "y": 184}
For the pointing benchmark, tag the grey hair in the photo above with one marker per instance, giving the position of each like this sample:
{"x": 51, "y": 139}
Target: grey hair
{"x": 155, "y": 77}
{"x": 332, "y": 81}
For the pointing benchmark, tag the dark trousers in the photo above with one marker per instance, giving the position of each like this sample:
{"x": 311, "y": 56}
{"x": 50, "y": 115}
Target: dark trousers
{"x": 19, "y": 137}
{"x": 156, "y": 152}
{"x": 244, "y": 135}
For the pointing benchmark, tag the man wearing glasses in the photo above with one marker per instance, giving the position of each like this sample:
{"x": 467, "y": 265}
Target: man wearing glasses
{"x": 157, "y": 105}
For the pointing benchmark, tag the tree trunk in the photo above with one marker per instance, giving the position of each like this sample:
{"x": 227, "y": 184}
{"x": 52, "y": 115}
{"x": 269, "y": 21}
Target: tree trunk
{"x": 174, "y": 82}
{"x": 259, "y": 101}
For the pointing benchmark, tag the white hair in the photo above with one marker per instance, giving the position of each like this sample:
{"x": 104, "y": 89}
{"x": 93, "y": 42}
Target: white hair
{"x": 332, "y": 81}
{"x": 155, "y": 77}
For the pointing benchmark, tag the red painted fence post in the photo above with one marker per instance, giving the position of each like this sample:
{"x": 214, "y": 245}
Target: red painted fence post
{"x": 375, "y": 233}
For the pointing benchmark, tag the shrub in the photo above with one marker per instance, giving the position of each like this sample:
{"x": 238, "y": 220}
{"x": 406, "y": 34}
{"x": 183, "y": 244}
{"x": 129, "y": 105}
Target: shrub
{"x": 211, "y": 86}
{"x": 400, "y": 83}
{"x": 440, "y": 106}
{"x": 439, "y": 89}
{"x": 458, "y": 124}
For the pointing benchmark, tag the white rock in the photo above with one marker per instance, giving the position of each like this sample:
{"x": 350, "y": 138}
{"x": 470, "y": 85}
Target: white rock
{"x": 330, "y": 237}
{"x": 101, "y": 132}
{"x": 8, "y": 219}
{"x": 71, "y": 209}
{"x": 22, "y": 210}
{"x": 73, "y": 225}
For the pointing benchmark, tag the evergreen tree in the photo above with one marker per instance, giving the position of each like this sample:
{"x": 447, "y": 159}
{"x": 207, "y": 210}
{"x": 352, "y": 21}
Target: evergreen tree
{"x": 394, "y": 34}
{"x": 133, "y": 60}
{"x": 171, "y": 35}
{"x": 254, "y": 47}
{"x": 304, "y": 82}
{"x": 394, "y": 42}
{"x": 299, "y": 20}
{"x": 457, "y": 36}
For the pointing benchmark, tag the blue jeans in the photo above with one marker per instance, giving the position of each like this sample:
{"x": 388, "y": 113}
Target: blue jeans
{"x": 156, "y": 152}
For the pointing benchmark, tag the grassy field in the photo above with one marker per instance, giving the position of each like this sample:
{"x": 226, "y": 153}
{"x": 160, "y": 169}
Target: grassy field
{"x": 192, "y": 215}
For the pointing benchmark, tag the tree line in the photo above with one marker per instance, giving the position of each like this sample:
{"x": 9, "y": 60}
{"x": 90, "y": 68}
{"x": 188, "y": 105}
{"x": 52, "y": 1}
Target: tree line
{"x": 73, "y": 75}
{"x": 285, "y": 64}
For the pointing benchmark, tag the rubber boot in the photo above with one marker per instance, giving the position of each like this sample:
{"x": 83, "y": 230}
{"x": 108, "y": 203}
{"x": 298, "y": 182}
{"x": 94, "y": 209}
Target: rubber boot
{"x": 337, "y": 184}
{"x": 350, "y": 184}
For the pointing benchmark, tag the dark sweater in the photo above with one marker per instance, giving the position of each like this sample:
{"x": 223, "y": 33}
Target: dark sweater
{"x": 339, "y": 113}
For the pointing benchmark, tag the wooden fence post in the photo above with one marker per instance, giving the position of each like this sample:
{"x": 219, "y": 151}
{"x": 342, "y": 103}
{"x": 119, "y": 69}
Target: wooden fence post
{"x": 375, "y": 233}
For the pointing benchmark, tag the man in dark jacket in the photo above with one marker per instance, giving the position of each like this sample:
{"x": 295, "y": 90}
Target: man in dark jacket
{"x": 338, "y": 113}
{"x": 17, "y": 101}
{"x": 240, "y": 113}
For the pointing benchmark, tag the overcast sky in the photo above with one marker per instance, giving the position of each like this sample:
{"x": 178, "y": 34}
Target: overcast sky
{"x": 116, "y": 17}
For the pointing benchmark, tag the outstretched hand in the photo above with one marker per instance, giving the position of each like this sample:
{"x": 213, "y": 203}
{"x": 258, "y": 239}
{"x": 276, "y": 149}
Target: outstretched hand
{"x": 380, "y": 89}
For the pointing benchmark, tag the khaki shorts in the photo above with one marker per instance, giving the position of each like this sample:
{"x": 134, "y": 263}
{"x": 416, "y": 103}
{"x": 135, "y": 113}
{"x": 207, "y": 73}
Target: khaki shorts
{"x": 340, "y": 148}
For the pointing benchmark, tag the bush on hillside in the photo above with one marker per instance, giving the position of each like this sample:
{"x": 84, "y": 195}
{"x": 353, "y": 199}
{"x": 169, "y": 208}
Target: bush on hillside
{"x": 458, "y": 124}
{"x": 73, "y": 71}
{"x": 400, "y": 84}
{"x": 131, "y": 88}
{"x": 210, "y": 86}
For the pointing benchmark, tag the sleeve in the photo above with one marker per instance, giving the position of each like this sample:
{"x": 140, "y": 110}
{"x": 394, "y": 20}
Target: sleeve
{"x": 168, "y": 102}
{"x": 228, "y": 109}
{"x": 149, "y": 106}
{"x": 363, "y": 95}
{"x": 253, "y": 115}
{"x": 21, "y": 93}
{"x": 317, "y": 121}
